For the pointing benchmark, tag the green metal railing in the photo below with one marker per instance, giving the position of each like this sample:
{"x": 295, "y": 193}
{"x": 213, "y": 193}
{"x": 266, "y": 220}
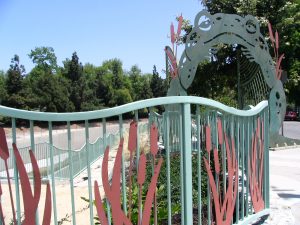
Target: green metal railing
{"x": 183, "y": 135}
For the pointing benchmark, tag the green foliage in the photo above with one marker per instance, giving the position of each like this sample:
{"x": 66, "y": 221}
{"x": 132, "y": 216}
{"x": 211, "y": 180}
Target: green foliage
{"x": 158, "y": 86}
{"x": 121, "y": 97}
{"x": 161, "y": 191}
{"x": 72, "y": 87}
{"x": 14, "y": 84}
{"x": 216, "y": 80}
{"x": 3, "y": 92}
{"x": 44, "y": 57}
{"x": 140, "y": 84}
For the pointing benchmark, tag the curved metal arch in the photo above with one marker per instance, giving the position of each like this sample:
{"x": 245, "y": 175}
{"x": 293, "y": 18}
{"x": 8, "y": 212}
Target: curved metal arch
{"x": 211, "y": 30}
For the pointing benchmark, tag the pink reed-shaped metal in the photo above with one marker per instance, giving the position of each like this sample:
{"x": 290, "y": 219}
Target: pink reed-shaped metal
{"x": 275, "y": 45}
{"x": 224, "y": 207}
{"x": 113, "y": 192}
{"x": 30, "y": 200}
{"x": 4, "y": 154}
{"x": 131, "y": 147}
{"x": 256, "y": 162}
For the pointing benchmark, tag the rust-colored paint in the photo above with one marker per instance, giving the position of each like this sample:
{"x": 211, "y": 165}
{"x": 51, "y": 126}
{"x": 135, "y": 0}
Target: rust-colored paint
{"x": 224, "y": 207}
{"x": 48, "y": 207}
{"x": 256, "y": 161}
{"x": 4, "y": 154}
{"x": 208, "y": 138}
{"x": 153, "y": 140}
{"x": 31, "y": 200}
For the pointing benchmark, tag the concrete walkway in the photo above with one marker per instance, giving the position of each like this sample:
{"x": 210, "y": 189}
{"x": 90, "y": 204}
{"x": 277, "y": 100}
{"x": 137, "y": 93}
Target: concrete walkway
{"x": 285, "y": 187}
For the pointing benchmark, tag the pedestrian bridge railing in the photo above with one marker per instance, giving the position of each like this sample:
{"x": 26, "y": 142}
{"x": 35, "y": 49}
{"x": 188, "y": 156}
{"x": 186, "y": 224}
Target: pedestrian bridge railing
{"x": 199, "y": 162}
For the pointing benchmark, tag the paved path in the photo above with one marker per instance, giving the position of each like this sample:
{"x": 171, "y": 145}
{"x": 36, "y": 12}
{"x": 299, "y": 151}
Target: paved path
{"x": 285, "y": 179}
{"x": 285, "y": 187}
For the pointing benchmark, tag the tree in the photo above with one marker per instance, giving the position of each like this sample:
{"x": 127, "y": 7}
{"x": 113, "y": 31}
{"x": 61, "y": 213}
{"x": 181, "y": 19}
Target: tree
{"x": 3, "y": 93}
{"x": 140, "y": 84}
{"x": 44, "y": 57}
{"x": 121, "y": 97}
{"x": 15, "y": 76}
{"x": 104, "y": 87}
{"x": 157, "y": 85}
{"x": 114, "y": 66}
{"x": 73, "y": 71}
{"x": 47, "y": 92}
{"x": 14, "y": 84}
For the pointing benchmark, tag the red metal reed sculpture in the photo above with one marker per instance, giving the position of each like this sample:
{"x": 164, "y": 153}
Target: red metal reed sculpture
{"x": 113, "y": 191}
{"x": 256, "y": 163}
{"x": 30, "y": 200}
{"x": 224, "y": 207}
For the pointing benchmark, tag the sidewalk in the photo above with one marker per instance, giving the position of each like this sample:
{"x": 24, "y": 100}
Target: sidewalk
{"x": 285, "y": 187}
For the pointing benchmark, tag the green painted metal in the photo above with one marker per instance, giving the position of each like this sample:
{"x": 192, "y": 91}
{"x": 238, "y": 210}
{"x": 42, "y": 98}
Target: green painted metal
{"x": 81, "y": 116}
{"x": 91, "y": 204}
{"x": 167, "y": 146}
{"x": 237, "y": 147}
{"x": 243, "y": 167}
{"x": 267, "y": 165}
{"x": 136, "y": 118}
{"x": 123, "y": 169}
{"x": 16, "y": 175}
{"x": 187, "y": 164}
{"x": 256, "y": 70}
{"x": 181, "y": 150}
{"x": 179, "y": 129}
{"x": 104, "y": 139}
{"x": 32, "y": 145}
{"x": 207, "y": 117}
{"x": 71, "y": 173}
{"x": 52, "y": 173}
{"x": 255, "y": 217}
{"x": 199, "y": 159}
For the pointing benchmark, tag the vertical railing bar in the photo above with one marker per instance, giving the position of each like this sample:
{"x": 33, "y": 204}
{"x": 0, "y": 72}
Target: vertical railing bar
{"x": 52, "y": 173}
{"x": 104, "y": 147}
{"x": 16, "y": 174}
{"x": 264, "y": 158}
{"x": 248, "y": 139}
{"x": 168, "y": 168}
{"x": 181, "y": 169}
{"x": 136, "y": 115}
{"x": 243, "y": 162}
{"x": 267, "y": 170}
{"x": 237, "y": 146}
{"x": 32, "y": 146}
{"x": 215, "y": 132}
{"x": 223, "y": 149}
{"x": 198, "y": 125}
{"x": 70, "y": 155}
{"x": 152, "y": 120}
{"x": 123, "y": 168}
{"x": 208, "y": 185}
{"x": 252, "y": 128}
{"x": 87, "y": 139}
{"x": 187, "y": 163}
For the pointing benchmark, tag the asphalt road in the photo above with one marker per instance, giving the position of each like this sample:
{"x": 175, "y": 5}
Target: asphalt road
{"x": 291, "y": 129}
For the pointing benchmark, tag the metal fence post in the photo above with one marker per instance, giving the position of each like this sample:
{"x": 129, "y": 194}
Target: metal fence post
{"x": 187, "y": 163}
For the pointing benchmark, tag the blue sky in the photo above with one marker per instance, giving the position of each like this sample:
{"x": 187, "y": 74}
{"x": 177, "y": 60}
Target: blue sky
{"x": 133, "y": 31}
